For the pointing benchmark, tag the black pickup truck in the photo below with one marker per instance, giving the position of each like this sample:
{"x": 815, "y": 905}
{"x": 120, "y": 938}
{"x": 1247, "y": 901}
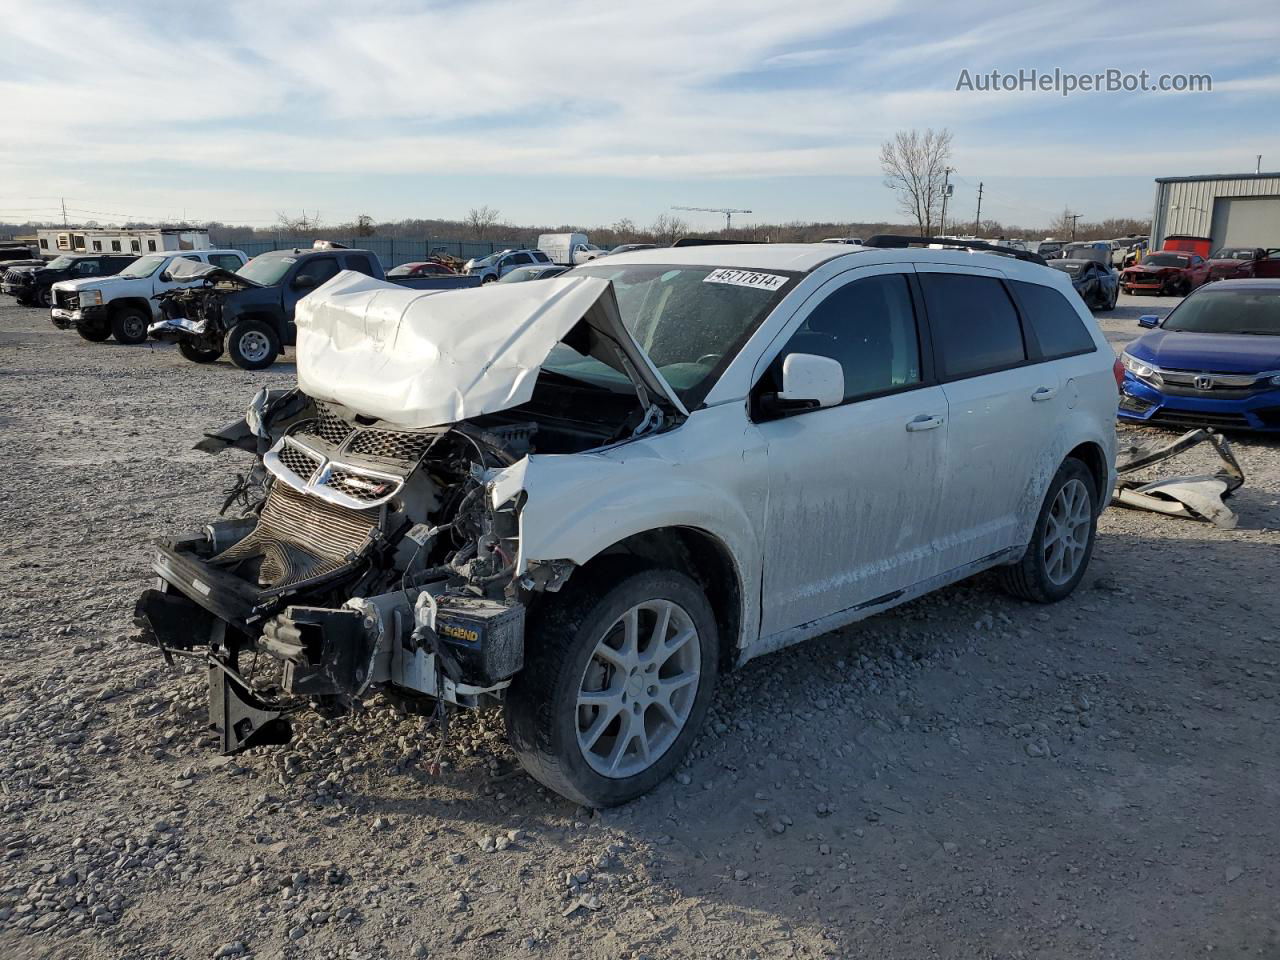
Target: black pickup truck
{"x": 32, "y": 286}
{"x": 249, "y": 314}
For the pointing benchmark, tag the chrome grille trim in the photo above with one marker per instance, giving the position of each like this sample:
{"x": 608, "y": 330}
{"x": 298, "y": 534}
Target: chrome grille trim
{"x": 344, "y": 483}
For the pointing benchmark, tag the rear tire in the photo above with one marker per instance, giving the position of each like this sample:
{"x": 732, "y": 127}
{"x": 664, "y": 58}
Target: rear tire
{"x": 602, "y": 714}
{"x": 94, "y": 332}
{"x": 196, "y": 353}
{"x": 1062, "y": 541}
{"x": 129, "y": 325}
{"x": 252, "y": 345}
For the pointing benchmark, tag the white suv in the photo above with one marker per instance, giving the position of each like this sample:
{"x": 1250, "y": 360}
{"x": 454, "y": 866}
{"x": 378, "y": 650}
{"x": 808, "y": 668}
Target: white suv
{"x": 588, "y": 497}
{"x": 497, "y": 265}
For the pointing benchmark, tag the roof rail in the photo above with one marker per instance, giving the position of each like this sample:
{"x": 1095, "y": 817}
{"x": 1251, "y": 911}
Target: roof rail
{"x": 707, "y": 242}
{"x": 893, "y": 241}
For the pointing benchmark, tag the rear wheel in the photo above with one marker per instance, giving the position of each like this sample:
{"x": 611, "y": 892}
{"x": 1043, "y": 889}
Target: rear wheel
{"x": 621, "y": 680}
{"x": 129, "y": 324}
{"x": 1062, "y": 542}
{"x": 488, "y": 278}
{"x": 95, "y": 331}
{"x": 252, "y": 345}
{"x": 196, "y": 353}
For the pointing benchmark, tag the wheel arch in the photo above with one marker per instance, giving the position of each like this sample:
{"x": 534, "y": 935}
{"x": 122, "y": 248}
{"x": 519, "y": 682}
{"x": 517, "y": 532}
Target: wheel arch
{"x": 1091, "y": 455}
{"x": 705, "y": 559}
{"x": 126, "y": 303}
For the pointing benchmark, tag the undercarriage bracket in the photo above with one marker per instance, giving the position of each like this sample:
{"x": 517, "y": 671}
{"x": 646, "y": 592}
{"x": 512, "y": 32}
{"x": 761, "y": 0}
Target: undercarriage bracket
{"x": 239, "y": 715}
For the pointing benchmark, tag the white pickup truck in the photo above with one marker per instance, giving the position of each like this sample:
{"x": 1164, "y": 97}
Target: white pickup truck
{"x": 122, "y": 305}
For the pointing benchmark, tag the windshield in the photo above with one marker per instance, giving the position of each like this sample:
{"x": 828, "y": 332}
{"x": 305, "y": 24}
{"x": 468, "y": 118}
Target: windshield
{"x": 1234, "y": 253}
{"x": 487, "y": 261}
{"x": 1165, "y": 260}
{"x": 267, "y": 270}
{"x": 1228, "y": 311}
{"x": 1073, "y": 269}
{"x": 142, "y": 267}
{"x": 691, "y": 321}
{"x": 59, "y": 263}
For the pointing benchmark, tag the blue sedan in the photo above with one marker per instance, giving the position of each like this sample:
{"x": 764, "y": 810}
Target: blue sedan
{"x": 1214, "y": 361}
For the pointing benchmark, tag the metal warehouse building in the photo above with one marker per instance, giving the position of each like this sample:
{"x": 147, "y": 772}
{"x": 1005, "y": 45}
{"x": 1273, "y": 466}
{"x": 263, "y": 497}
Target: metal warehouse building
{"x": 1235, "y": 209}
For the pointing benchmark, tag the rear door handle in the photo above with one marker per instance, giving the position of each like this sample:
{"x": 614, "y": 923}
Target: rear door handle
{"x": 1044, "y": 393}
{"x": 924, "y": 422}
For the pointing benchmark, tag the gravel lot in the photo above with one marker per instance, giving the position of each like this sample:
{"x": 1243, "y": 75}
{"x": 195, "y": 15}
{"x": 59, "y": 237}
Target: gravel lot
{"x": 968, "y": 776}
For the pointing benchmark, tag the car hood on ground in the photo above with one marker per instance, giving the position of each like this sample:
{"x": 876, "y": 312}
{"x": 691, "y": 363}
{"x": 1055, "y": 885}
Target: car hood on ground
{"x": 1210, "y": 352}
{"x": 424, "y": 358}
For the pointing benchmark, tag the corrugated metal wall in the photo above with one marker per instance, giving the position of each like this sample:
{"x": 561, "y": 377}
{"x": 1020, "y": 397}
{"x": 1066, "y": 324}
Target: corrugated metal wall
{"x": 1186, "y": 206}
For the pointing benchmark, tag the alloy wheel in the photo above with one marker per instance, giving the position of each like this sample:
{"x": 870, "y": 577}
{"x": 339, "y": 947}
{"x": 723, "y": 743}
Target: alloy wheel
{"x": 638, "y": 688}
{"x": 1066, "y": 532}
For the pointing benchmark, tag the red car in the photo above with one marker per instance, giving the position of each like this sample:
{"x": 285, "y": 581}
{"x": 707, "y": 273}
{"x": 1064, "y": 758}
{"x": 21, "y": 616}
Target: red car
{"x": 422, "y": 268}
{"x": 1166, "y": 273}
{"x": 1234, "y": 263}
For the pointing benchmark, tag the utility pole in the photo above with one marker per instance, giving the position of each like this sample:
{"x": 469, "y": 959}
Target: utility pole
{"x": 946, "y": 191}
{"x": 64, "y": 213}
{"x": 1073, "y": 217}
{"x": 1258, "y": 167}
{"x": 977, "y": 217}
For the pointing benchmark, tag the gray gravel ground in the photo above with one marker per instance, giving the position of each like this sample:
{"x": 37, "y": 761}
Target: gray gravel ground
{"x": 968, "y": 776}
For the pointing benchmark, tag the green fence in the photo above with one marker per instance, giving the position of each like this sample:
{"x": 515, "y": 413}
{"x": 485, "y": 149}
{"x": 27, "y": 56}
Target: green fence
{"x": 392, "y": 251}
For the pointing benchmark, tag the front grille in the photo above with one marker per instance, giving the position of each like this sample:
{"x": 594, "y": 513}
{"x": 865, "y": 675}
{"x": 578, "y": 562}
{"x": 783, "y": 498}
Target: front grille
{"x": 328, "y": 425}
{"x": 391, "y": 444}
{"x": 1135, "y": 404}
{"x": 297, "y": 461}
{"x": 357, "y": 487}
{"x": 1196, "y": 419}
{"x": 363, "y": 441}
{"x": 15, "y": 276}
{"x": 67, "y": 299}
{"x": 300, "y": 537}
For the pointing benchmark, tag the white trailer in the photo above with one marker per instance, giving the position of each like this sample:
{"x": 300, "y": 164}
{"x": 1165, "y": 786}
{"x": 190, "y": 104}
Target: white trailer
{"x": 141, "y": 240}
{"x": 569, "y": 249}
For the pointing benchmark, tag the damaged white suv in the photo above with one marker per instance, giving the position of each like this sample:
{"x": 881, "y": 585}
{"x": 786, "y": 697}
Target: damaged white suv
{"x": 588, "y": 497}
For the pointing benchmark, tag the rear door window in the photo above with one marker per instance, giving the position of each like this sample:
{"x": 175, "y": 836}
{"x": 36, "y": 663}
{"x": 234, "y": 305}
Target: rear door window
{"x": 974, "y": 324}
{"x": 1053, "y": 322}
{"x": 360, "y": 264}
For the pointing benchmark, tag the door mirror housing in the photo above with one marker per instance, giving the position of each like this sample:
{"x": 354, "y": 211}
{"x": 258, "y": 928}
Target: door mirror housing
{"x": 304, "y": 281}
{"x": 1150, "y": 320}
{"x": 810, "y": 382}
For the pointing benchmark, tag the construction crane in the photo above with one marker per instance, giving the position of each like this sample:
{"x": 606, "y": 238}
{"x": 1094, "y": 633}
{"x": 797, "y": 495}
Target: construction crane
{"x": 727, "y": 211}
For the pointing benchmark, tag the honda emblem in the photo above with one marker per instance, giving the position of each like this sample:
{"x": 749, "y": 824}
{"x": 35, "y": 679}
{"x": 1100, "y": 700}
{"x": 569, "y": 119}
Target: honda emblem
{"x": 1204, "y": 383}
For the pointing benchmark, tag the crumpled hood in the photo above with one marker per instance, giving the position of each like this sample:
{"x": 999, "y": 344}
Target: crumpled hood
{"x": 1216, "y": 352}
{"x": 426, "y": 358}
{"x": 181, "y": 270}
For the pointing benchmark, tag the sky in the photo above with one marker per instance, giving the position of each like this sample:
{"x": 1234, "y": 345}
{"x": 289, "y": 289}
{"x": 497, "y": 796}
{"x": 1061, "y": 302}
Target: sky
{"x": 589, "y": 112}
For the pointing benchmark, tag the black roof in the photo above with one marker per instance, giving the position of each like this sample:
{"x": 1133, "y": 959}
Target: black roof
{"x": 1244, "y": 284}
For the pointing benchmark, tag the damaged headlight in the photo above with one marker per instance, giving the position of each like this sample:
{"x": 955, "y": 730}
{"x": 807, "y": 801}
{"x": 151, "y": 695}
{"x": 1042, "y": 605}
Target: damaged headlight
{"x": 1141, "y": 370}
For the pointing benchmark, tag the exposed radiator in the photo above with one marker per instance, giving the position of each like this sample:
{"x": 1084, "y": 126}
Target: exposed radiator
{"x": 300, "y": 537}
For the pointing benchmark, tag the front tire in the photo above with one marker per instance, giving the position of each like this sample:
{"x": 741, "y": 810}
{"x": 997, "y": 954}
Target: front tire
{"x": 252, "y": 345}
{"x": 1062, "y": 542}
{"x": 196, "y": 353}
{"x": 44, "y": 297}
{"x": 621, "y": 680}
{"x": 129, "y": 325}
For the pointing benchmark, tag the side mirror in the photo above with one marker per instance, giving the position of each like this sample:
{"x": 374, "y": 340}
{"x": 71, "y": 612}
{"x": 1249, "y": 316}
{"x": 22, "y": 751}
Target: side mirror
{"x": 304, "y": 281}
{"x": 810, "y": 382}
{"x": 165, "y": 276}
{"x": 1150, "y": 320}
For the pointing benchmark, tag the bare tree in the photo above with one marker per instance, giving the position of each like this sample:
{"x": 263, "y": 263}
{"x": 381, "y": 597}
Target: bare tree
{"x": 667, "y": 229}
{"x": 364, "y": 225}
{"x": 302, "y": 224}
{"x": 914, "y": 165}
{"x": 480, "y": 220}
{"x": 625, "y": 227}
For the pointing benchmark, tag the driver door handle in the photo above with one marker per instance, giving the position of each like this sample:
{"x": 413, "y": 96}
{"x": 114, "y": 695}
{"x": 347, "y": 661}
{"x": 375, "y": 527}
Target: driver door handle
{"x": 924, "y": 422}
{"x": 1044, "y": 393}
